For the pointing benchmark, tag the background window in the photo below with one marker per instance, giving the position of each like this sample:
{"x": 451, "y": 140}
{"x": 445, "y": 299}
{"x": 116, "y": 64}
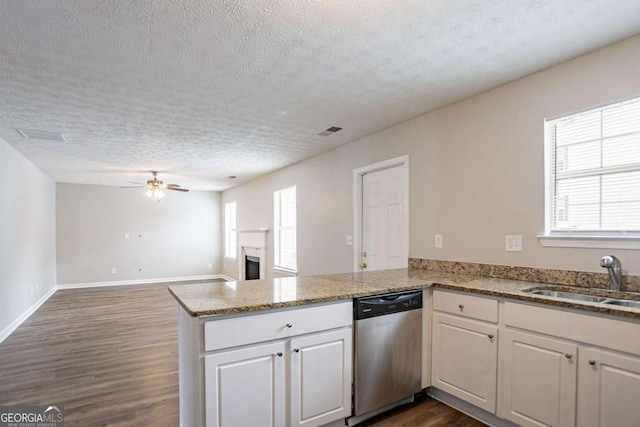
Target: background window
{"x": 593, "y": 169}
{"x": 230, "y": 248}
{"x": 284, "y": 213}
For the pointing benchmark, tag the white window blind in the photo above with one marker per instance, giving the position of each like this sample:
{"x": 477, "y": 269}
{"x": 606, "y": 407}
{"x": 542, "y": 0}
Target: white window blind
{"x": 285, "y": 252}
{"x": 230, "y": 248}
{"x": 593, "y": 170}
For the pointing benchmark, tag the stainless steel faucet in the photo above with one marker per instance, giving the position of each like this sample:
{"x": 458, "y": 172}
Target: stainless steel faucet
{"x": 612, "y": 264}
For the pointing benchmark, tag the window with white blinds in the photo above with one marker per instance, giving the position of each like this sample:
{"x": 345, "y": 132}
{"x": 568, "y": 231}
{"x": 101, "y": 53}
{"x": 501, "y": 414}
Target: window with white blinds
{"x": 593, "y": 172}
{"x": 284, "y": 213}
{"x": 230, "y": 248}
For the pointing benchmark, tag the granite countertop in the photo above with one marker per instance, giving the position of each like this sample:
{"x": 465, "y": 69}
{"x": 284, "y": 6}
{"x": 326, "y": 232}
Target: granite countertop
{"x": 223, "y": 298}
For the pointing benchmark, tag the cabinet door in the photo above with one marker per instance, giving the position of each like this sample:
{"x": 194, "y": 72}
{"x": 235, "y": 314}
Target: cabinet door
{"x": 609, "y": 387}
{"x": 321, "y": 378}
{"x": 464, "y": 359}
{"x": 245, "y": 387}
{"x": 538, "y": 380}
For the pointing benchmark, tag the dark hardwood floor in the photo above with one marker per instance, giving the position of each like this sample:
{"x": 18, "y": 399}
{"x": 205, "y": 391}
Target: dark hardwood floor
{"x": 110, "y": 356}
{"x": 424, "y": 412}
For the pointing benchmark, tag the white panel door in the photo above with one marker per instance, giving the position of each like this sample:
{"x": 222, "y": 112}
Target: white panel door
{"x": 465, "y": 359}
{"x": 609, "y": 389}
{"x": 383, "y": 219}
{"x": 246, "y": 387}
{"x": 538, "y": 380}
{"x": 321, "y": 378}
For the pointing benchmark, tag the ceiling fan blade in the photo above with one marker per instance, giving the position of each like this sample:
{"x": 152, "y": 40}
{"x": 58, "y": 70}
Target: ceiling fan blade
{"x": 136, "y": 183}
{"x": 173, "y": 185}
{"x": 184, "y": 190}
{"x": 134, "y": 186}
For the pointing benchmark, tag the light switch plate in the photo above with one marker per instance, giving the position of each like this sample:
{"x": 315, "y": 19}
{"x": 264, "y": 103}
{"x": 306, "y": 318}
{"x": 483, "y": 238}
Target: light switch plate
{"x": 349, "y": 240}
{"x": 513, "y": 243}
{"x": 438, "y": 241}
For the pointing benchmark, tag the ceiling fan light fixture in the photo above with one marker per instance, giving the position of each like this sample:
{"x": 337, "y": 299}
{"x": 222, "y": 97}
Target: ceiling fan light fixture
{"x": 155, "y": 193}
{"x": 155, "y": 189}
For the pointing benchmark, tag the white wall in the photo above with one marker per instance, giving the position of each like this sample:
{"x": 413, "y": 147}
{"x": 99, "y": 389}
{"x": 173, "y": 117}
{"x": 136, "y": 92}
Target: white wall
{"x": 476, "y": 173}
{"x": 181, "y": 234}
{"x": 27, "y": 235}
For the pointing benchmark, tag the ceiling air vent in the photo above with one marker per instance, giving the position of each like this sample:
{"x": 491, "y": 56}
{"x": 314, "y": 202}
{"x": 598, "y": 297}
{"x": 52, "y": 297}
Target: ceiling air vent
{"x": 330, "y": 131}
{"x": 44, "y": 136}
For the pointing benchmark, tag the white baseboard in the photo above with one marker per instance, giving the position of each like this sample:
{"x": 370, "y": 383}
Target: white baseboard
{"x": 141, "y": 281}
{"x": 227, "y": 278}
{"x": 24, "y": 316}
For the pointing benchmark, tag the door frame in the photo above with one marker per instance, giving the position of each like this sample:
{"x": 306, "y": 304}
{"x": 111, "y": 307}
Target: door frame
{"x": 357, "y": 203}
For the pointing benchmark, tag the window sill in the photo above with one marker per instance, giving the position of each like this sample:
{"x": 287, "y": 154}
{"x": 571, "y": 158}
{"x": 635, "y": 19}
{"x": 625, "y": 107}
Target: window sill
{"x": 593, "y": 242}
{"x": 285, "y": 270}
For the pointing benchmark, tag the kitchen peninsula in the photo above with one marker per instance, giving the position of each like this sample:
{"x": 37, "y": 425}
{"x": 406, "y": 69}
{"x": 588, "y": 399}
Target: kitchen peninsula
{"x": 291, "y": 339}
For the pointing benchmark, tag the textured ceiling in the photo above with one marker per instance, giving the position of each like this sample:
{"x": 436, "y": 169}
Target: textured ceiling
{"x": 204, "y": 89}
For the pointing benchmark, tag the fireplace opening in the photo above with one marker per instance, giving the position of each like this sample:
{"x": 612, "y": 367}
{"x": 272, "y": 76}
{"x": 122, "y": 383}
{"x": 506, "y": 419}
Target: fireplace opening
{"x": 251, "y": 267}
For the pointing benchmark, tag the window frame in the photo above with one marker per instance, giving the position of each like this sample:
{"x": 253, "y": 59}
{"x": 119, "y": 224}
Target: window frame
{"x": 577, "y": 238}
{"x": 277, "y": 231}
{"x": 230, "y": 236}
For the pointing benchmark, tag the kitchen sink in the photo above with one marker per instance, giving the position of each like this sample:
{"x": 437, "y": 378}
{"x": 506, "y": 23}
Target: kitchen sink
{"x": 622, "y": 302}
{"x": 618, "y": 298}
{"x": 566, "y": 295}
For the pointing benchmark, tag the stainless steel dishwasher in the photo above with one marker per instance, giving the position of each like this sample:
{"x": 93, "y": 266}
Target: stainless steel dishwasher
{"x": 388, "y": 350}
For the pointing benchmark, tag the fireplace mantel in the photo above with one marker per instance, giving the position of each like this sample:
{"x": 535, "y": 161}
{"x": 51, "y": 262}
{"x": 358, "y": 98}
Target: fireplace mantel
{"x": 252, "y": 242}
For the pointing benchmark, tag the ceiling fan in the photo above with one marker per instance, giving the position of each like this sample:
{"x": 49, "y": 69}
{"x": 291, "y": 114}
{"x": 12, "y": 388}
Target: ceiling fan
{"x": 155, "y": 187}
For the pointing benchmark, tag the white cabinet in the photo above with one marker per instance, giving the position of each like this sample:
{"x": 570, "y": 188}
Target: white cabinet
{"x": 320, "y": 373}
{"x": 318, "y": 367}
{"x": 609, "y": 387}
{"x": 538, "y": 379}
{"x": 465, "y": 351}
{"x": 465, "y": 358}
{"x": 550, "y": 367}
{"x": 279, "y": 368}
{"x": 566, "y": 368}
{"x": 246, "y": 387}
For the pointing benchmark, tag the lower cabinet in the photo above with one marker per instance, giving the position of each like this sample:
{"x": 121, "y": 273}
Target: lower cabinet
{"x": 464, "y": 359}
{"x": 246, "y": 387}
{"x": 608, "y": 389}
{"x": 320, "y": 378}
{"x": 554, "y": 367}
{"x": 538, "y": 379}
{"x": 303, "y": 381}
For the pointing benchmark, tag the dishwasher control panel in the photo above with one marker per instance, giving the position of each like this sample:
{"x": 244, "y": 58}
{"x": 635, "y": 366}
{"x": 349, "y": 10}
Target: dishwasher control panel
{"x": 378, "y": 305}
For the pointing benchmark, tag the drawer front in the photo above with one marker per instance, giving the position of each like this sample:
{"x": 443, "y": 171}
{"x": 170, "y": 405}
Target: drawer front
{"x": 466, "y": 305}
{"x": 233, "y": 332}
{"x": 615, "y": 334}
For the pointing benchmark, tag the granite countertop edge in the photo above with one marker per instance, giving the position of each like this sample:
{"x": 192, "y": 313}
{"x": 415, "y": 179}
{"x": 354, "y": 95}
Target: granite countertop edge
{"x": 373, "y": 283}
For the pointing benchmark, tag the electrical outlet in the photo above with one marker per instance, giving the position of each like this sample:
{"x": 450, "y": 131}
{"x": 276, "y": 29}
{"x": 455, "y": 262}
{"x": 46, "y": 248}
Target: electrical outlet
{"x": 113, "y": 270}
{"x": 349, "y": 240}
{"x": 210, "y": 266}
{"x": 438, "y": 241}
{"x": 513, "y": 243}
{"x": 126, "y": 236}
